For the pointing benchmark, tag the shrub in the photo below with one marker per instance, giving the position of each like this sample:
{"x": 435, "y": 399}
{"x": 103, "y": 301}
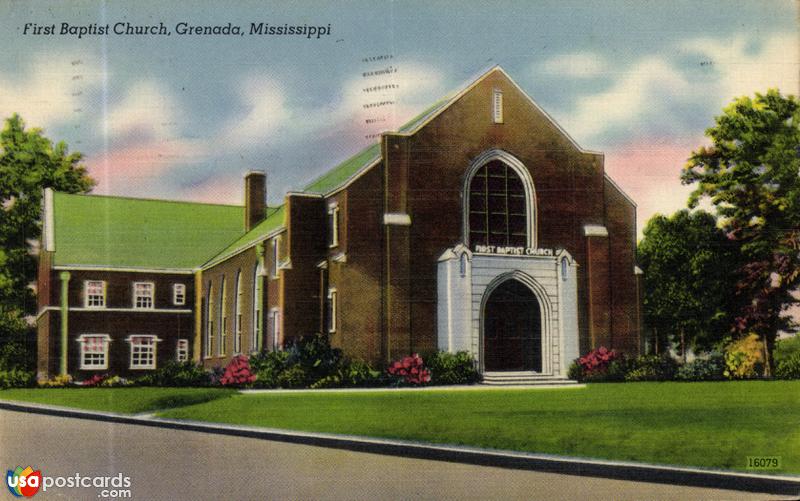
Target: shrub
{"x": 15, "y": 378}
{"x": 94, "y": 380}
{"x": 744, "y": 358}
{"x": 651, "y": 368}
{"x": 708, "y": 368}
{"x": 452, "y": 368}
{"x": 788, "y": 367}
{"x": 293, "y": 377}
{"x": 575, "y": 371}
{"x": 115, "y": 381}
{"x": 237, "y": 372}
{"x": 315, "y": 355}
{"x": 409, "y": 370}
{"x": 595, "y": 364}
{"x": 786, "y": 348}
{"x": 267, "y": 366}
{"x": 60, "y": 381}
{"x": 177, "y": 374}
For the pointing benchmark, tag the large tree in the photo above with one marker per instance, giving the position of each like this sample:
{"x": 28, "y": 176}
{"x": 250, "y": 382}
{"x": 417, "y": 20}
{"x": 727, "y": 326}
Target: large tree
{"x": 751, "y": 174}
{"x": 687, "y": 262}
{"x": 29, "y": 162}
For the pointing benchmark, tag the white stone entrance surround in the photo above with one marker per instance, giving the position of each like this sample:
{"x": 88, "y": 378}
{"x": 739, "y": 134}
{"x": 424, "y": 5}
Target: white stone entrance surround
{"x": 466, "y": 279}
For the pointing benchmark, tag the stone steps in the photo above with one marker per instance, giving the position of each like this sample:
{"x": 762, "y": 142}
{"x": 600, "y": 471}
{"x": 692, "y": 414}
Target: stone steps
{"x": 525, "y": 379}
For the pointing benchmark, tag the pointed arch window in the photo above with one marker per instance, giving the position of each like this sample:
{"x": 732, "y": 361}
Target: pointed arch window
{"x": 498, "y": 212}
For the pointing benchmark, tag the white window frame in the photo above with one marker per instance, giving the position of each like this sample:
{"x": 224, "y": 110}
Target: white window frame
{"x": 332, "y": 309}
{"x": 182, "y": 350}
{"x": 275, "y": 320}
{"x": 152, "y": 296}
{"x": 237, "y": 315}
{"x": 179, "y": 294}
{"x": 258, "y": 298}
{"x": 105, "y": 340}
{"x": 87, "y": 298}
{"x": 497, "y": 106}
{"x": 333, "y": 219}
{"x": 152, "y": 344}
{"x": 210, "y": 312}
{"x": 276, "y": 256}
{"x": 223, "y": 318}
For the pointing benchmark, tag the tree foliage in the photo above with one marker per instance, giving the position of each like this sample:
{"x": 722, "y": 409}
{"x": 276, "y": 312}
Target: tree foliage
{"x": 751, "y": 174}
{"x": 688, "y": 279}
{"x": 29, "y": 162}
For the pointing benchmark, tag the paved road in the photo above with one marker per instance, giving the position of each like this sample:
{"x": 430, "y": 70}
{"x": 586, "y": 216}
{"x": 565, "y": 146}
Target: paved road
{"x": 172, "y": 465}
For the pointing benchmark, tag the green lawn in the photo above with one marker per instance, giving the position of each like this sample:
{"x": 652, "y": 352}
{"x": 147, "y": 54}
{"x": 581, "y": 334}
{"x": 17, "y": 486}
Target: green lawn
{"x": 695, "y": 424}
{"x": 123, "y": 400}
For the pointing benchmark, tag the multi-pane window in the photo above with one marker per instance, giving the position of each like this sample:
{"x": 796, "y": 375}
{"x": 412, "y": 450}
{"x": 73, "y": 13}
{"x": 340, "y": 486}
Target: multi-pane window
{"x": 182, "y": 350}
{"x": 275, "y": 320}
{"x": 276, "y": 256}
{"x": 237, "y": 315}
{"x": 143, "y": 351}
{"x": 209, "y": 342}
{"x": 143, "y": 294}
{"x": 497, "y": 207}
{"x": 331, "y": 313}
{"x": 95, "y": 293}
{"x": 223, "y": 318}
{"x": 94, "y": 351}
{"x": 258, "y": 298}
{"x": 333, "y": 225}
{"x": 178, "y": 294}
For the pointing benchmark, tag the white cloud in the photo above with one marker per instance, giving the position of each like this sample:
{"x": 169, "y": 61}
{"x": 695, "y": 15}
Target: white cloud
{"x": 644, "y": 89}
{"x": 54, "y": 90}
{"x": 265, "y": 111}
{"x": 742, "y": 72}
{"x": 147, "y": 111}
{"x": 576, "y": 65}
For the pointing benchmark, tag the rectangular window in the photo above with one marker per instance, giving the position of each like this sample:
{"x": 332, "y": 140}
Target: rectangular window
{"x": 94, "y": 351}
{"x": 95, "y": 293}
{"x": 178, "y": 294}
{"x": 331, "y": 310}
{"x": 275, "y": 316}
{"x": 182, "y": 350}
{"x": 276, "y": 256}
{"x": 333, "y": 225}
{"x": 143, "y": 294}
{"x": 209, "y": 322}
{"x": 497, "y": 106}
{"x": 223, "y": 318}
{"x": 143, "y": 351}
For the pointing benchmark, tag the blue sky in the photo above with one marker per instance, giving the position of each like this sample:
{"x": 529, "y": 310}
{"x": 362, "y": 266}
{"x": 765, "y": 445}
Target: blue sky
{"x": 185, "y": 116}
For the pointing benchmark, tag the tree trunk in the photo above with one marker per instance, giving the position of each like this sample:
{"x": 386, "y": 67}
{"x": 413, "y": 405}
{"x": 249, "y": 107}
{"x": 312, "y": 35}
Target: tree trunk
{"x": 767, "y": 358}
{"x": 683, "y": 345}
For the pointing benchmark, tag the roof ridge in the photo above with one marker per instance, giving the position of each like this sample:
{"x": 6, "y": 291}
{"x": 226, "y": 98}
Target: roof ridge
{"x": 145, "y": 199}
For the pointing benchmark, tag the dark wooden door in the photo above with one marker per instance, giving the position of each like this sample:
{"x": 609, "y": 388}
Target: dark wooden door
{"x": 512, "y": 336}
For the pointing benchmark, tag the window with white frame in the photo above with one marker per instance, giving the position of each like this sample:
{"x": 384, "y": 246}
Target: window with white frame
{"x": 209, "y": 341}
{"x": 94, "y": 351}
{"x": 143, "y": 294}
{"x": 95, "y": 293}
{"x": 178, "y": 294}
{"x": 331, "y": 310}
{"x": 497, "y": 106}
{"x": 223, "y": 318}
{"x": 333, "y": 225}
{"x": 237, "y": 314}
{"x": 258, "y": 298}
{"x": 143, "y": 351}
{"x": 275, "y": 321}
{"x": 276, "y": 256}
{"x": 182, "y": 350}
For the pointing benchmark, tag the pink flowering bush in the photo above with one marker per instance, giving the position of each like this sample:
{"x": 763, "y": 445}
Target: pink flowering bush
{"x": 95, "y": 380}
{"x": 237, "y": 372}
{"x": 410, "y": 370}
{"x": 596, "y": 363}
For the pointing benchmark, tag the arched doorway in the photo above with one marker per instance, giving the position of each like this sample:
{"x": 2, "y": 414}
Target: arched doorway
{"x": 512, "y": 329}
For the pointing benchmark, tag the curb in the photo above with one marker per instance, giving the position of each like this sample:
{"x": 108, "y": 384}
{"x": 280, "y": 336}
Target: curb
{"x": 638, "y": 472}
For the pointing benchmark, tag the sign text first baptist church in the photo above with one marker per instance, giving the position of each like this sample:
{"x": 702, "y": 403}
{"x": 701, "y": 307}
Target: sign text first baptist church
{"x": 479, "y": 226}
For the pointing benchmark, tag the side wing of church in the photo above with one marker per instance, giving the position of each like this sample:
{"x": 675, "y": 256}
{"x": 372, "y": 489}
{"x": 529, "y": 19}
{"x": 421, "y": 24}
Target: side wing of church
{"x": 478, "y": 226}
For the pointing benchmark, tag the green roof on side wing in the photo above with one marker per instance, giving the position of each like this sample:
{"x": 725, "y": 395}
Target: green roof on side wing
{"x": 119, "y": 232}
{"x": 273, "y": 222}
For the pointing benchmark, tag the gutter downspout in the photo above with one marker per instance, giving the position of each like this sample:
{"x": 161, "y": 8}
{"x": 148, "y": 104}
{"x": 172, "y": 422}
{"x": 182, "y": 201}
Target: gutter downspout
{"x": 64, "y": 276}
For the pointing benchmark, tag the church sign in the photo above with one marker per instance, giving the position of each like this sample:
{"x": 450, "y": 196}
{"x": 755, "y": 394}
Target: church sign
{"x": 513, "y": 251}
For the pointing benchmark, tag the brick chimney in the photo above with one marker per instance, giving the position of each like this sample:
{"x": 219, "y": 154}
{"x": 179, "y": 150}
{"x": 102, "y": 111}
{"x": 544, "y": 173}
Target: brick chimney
{"x": 255, "y": 198}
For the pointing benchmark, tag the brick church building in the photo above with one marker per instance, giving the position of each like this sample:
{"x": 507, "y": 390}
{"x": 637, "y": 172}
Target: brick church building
{"x": 480, "y": 226}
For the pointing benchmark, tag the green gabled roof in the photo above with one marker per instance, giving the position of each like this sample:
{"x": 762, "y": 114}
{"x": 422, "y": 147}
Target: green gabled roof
{"x": 344, "y": 171}
{"x": 119, "y": 232}
{"x": 273, "y": 221}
